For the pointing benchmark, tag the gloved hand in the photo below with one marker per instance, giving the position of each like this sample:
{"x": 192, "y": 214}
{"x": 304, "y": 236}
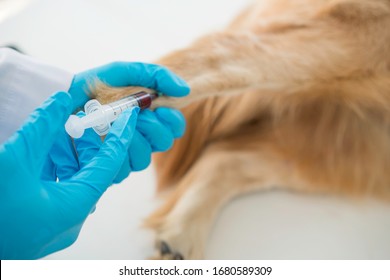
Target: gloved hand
{"x": 40, "y": 216}
{"x": 155, "y": 130}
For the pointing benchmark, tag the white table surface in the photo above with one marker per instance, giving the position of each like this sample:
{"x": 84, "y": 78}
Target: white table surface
{"x": 78, "y": 35}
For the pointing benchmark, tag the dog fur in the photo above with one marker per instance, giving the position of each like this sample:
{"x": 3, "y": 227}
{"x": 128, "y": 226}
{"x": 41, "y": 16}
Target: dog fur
{"x": 294, "y": 94}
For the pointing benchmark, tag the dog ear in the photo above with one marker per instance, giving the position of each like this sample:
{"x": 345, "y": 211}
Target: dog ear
{"x": 355, "y": 11}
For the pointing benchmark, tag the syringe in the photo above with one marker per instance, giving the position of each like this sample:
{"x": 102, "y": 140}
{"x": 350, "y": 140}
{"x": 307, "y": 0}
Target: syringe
{"x": 100, "y": 117}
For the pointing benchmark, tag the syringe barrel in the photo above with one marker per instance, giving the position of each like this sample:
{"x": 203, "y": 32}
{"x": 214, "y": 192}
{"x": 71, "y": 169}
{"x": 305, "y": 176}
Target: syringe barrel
{"x": 140, "y": 99}
{"x": 144, "y": 99}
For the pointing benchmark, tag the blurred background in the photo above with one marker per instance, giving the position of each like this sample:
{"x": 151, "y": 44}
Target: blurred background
{"x": 77, "y": 35}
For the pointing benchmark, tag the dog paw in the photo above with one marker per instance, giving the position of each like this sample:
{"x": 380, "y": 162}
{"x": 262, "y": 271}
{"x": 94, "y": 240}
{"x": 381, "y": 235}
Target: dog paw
{"x": 164, "y": 252}
{"x": 172, "y": 245}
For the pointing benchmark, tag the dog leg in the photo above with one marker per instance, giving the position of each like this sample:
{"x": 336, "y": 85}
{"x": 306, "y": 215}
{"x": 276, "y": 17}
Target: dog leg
{"x": 183, "y": 223}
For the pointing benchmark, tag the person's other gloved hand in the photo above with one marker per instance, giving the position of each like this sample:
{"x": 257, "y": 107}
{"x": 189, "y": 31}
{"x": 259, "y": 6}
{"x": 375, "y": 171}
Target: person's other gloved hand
{"x": 122, "y": 74}
{"x": 39, "y": 215}
{"x": 155, "y": 131}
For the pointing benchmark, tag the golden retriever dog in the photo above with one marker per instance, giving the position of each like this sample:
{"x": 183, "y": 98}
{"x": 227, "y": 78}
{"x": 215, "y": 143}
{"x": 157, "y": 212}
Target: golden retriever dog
{"x": 294, "y": 94}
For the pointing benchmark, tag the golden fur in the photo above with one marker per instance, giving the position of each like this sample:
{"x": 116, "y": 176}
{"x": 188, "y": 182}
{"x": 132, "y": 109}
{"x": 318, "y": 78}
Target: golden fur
{"x": 293, "y": 94}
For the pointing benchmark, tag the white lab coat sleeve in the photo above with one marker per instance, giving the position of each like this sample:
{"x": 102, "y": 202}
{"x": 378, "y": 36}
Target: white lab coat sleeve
{"x": 24, "y": 84}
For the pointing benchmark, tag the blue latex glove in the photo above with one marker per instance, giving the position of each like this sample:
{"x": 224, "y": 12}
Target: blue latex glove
{"x": 155, "y": 131}
{"x": 40, "y": 216}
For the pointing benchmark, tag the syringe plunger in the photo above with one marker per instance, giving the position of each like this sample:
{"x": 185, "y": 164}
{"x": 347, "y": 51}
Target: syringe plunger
{"x": 100, "y": 117}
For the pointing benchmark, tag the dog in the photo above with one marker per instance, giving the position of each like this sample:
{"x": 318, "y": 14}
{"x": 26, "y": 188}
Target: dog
{"x": 293, "y": 94}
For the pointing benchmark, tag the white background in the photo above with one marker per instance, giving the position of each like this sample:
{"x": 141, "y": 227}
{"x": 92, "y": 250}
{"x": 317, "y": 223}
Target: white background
{"x": 78, "y": 35}
{"x": 281, "y": 270}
